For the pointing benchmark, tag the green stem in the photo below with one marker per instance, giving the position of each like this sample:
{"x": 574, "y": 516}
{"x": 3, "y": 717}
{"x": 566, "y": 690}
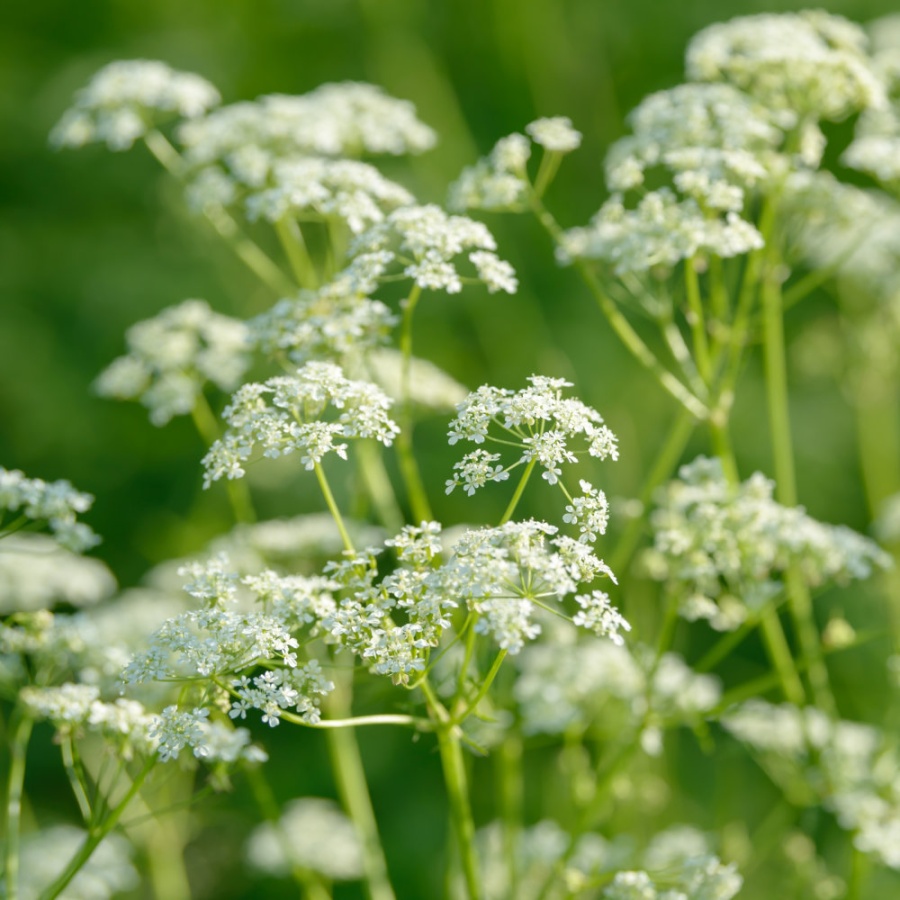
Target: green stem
{"x": 800, "y": 602}
{"x": 547, "y": 171}
{"x": 520, "y": 489}
{"x": 96, "y": 835}
{"x": 460, "y": 717}
{"x": 697, "y": 320}
{"x": 75, "y": 775}
{"x": 333, "y": 507}
{"x": 629, "y": 337}
{"x": 378, "y": 486}
{"x": 248, "y": 252}
{"x": 291, "y": 237}
{"x": 409, "y": 468}
{"x": 236, "y": 488}
{"x": 456, "y": 781}
{"x": 663, "y": 466}
{"x": 780, "y": 654}
{"x": 511, "y": 802}
{"x": 350, "y": 775}
{"x": 21, "y": 735}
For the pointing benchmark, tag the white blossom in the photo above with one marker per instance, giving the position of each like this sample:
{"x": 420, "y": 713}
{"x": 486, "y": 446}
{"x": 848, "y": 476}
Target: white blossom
{"x": 126, "y": 99}
{"x": 499, "y": 181}
{"x": 555, "y": 133}
{"x": 172, "y": 357}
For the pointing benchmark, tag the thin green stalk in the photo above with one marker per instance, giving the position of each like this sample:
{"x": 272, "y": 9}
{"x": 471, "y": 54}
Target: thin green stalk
{"x": 622, "y": 327}
{"x": 682, "y": 355}
{"x": 21, "y": 735}
{"x": 725, "y": 645}
{"x": 409, "y": 468}
{"x": 333, "y": 507}
{"x": 378, "y": 486}
{"x": 547, "y": 171}
{"x": 697, "y": 320}
{"x": 511, "y": 802}
{"x": 296, "y": 251}
{"x": 520, "y": 489}
{"x": 236, "y": 488}
{"x": 800, "y": 602}
{"x": 663, "y": 466}
{"x": 456, "y": 781}
{"x": 350, "y": 775}
{"x": 780, "y": 654}
{"x": 96, "y": 835}
{"x": 248, "y": 252}
{"x": 75, "y": 775}
{"x": 472, "y": 705}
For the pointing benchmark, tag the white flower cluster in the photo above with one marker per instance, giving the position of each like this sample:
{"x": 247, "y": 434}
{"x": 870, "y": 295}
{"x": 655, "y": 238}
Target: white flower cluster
{"x": 555, "y": 133}
{"x": 55, "y": 502}
{"x": 292, "y": 421}
{"x": 705, "y": 877}
{"x": 848, "y": 767}
{"x": 598, "y": 684}
{"x": 426, "y": 242}
{"x": 312, "y": 834}
{"x": 713, "y": 140}
{"x": 506, "y": 574}
{"x": 213, "y": 742}
{"x": 724, "y": 549}
{"x": 801, "y": 65}
{"x": 36, "y": 573}
{"x": 542, "y": 423}
{"x": 678, "y": 862}
{"x": 352, "y": 191}
{"x": 173, "y": 355}
{"x": 856, "y": 231}
{"x": 498, "y": 181}
{"x": 660, "y": 231}
{"x": 342, "y": 119}
{"x": 126, "y": 99}
{"x": 330, "y": 323}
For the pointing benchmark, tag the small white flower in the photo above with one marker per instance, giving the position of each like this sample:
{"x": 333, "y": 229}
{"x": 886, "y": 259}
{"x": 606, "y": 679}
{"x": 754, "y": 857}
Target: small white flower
{"x": 555, "y": 133}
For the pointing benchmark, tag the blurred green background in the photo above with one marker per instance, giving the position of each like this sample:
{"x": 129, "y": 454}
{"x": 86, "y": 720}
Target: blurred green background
{"x": 91, "y": 242}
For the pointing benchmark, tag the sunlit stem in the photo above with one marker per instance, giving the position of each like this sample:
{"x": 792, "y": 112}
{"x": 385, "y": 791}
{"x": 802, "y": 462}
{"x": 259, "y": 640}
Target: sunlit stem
{"x": 21, "y": 735}
{"x": 460, "y": 717}
{"x": 697, "y": 320}
{"x": 520, "y": 489}
{"x": 247, "y": 251}
{"x": 620, "y": 325}
{"x": 378, "y": 486}
{"x": 409, "y": 468}
{"x": 350, "y": 775}
{"x": 547, "y": 171}
{"x": 294, "y": 245}
{"x": 236, "y": 488}
{"x": 333, "y": 507}
{"x": 96, "y": 835}
{"x": 456, "y": 781}
{"x": 75, "y": 775}
{"x": 800, "y": 602}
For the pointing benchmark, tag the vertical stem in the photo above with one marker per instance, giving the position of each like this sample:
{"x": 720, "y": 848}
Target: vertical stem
{"x": 21, "y": 734}
{"x": 697, "y": 320}
{"x": 456, "y": 781}
{"x": 350, "y": 775}
{"x": 511, "y": 790}
{"x": 378, "y": 486}
{"x": 799, "y": 598}
{"x": 409, "y": 469}
{"x": 236, "y": 488}
{"x": 295, "y": 249}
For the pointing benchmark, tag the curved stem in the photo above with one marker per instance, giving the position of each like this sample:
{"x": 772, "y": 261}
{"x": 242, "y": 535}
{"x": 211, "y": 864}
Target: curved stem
{"x": 21, "y": 735}
{"x": 248, "y": 252}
